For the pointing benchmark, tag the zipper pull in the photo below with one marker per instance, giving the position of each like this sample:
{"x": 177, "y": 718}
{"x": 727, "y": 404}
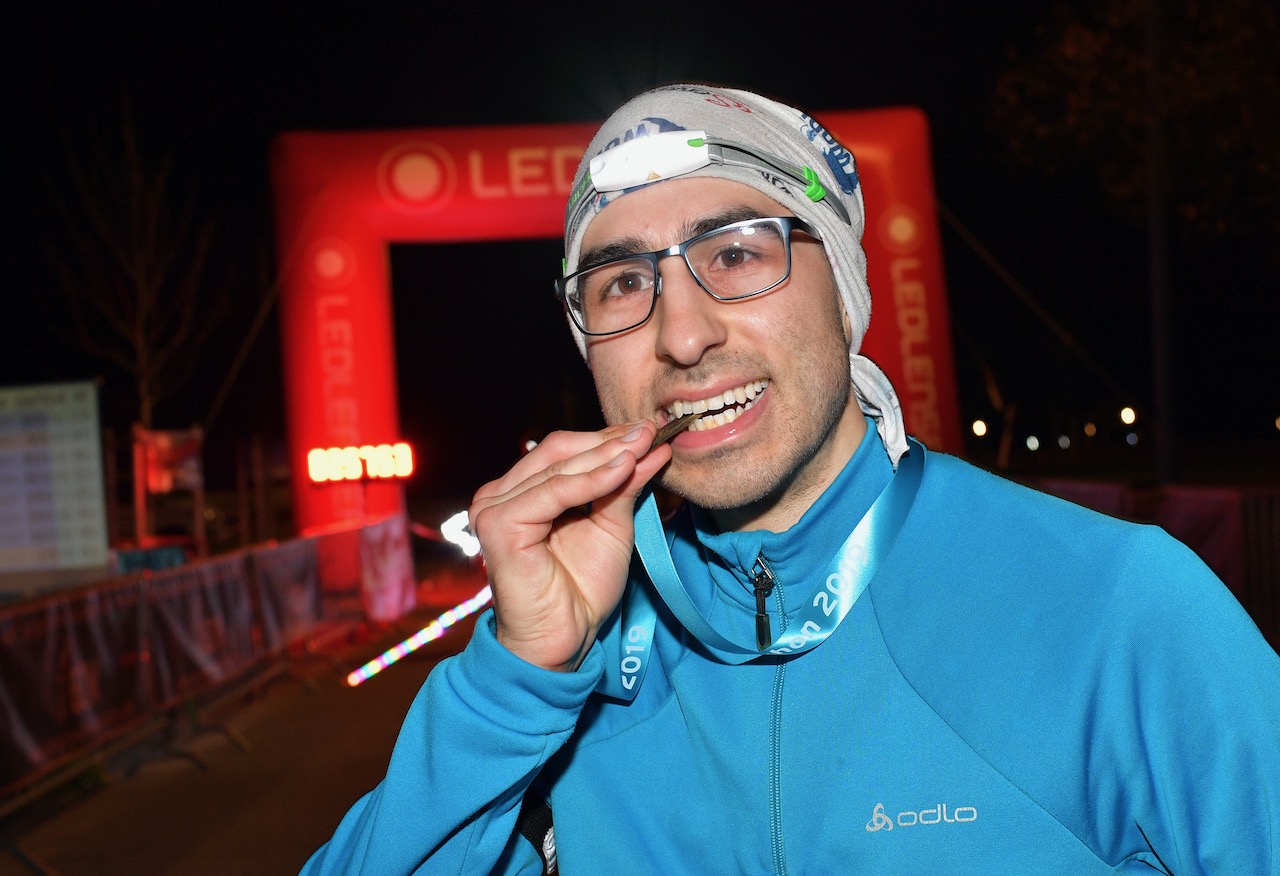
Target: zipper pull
{"x": 762, "y": 580}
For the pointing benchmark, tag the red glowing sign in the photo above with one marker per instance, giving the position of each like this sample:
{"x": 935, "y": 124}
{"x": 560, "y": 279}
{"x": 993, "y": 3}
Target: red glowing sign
{"x": 366, "y": 462}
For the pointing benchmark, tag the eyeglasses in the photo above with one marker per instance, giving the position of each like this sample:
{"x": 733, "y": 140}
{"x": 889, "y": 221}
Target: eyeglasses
{"x": 733, "y": 262}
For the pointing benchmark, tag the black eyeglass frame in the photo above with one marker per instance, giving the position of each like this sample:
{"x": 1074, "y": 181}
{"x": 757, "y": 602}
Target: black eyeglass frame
{"x": 785, "y": 224}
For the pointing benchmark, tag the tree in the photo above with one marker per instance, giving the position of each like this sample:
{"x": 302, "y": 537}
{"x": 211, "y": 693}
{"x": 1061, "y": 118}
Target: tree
{"x": 135, "y": 269}
{"x": 1171, "y": 103}
{"x": 1207, "y": 74}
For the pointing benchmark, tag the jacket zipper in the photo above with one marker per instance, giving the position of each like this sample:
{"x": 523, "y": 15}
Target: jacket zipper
{"x": 764, "y": 582}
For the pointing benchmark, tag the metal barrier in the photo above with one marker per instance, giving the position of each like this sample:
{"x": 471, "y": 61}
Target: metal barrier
{"x": 82, "y": 669}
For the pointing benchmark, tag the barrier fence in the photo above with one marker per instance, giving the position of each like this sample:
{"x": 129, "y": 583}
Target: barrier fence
{"x": 80, "y": 668}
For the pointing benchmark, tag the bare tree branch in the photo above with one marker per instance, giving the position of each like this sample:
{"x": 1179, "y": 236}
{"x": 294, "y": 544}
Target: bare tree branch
{"x": 136, "y": 273}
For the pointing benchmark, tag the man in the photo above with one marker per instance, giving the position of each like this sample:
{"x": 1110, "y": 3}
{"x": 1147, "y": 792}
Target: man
{"x": 842, "y": 654}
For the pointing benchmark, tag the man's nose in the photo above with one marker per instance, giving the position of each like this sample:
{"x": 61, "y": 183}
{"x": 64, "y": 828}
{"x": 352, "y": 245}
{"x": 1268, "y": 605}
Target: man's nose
{"x": 689, "y": 321}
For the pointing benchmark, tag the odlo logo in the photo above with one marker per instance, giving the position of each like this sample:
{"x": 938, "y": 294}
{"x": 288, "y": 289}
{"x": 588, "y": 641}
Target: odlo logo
{"x": 909, "y": 818}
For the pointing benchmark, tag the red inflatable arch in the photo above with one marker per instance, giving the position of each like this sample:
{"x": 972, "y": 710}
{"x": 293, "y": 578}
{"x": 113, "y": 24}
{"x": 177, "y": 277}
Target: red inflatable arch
{"x": 340, "y": 198}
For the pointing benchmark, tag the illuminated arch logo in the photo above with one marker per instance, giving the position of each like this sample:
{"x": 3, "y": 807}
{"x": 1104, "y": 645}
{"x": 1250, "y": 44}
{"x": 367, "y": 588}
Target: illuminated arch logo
{"x": 417, "y": 175}
{"x": 331, "y": 263}
{"x": 901, "y": 230}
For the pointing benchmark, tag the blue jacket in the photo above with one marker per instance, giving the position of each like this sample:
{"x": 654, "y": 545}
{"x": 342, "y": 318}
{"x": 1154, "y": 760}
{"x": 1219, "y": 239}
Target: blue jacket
{"x": 1025, "y": 687}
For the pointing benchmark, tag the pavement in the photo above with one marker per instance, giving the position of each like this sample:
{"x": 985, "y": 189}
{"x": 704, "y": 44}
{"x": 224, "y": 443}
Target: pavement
{"x": 254, "y": 787}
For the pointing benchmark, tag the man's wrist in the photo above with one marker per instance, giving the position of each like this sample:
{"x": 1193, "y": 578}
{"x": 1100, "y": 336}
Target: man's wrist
{"x": 531, "y": 654}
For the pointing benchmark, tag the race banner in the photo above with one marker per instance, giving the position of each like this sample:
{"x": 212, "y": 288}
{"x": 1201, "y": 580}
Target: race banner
{"x": 202, "y": 626}
{"x": 386, "y": 570}
{"x": 287, "y": 579}
{"x": 72, "y": 667}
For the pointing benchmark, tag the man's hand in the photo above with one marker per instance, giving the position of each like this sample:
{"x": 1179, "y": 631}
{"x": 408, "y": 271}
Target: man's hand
{"x": 557, "y": 536}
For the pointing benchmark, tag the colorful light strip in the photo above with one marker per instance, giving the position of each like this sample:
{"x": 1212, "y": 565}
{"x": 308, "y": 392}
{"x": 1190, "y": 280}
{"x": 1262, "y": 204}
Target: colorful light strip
{"x": 429, "y": 633}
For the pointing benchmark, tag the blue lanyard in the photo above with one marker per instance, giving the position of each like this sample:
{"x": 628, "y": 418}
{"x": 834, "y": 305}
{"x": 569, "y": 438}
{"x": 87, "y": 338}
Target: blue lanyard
{"x": 847, "y": 577}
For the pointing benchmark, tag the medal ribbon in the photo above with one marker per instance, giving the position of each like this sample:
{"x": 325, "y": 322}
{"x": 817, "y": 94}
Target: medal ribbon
{"x": 847, "y": 577}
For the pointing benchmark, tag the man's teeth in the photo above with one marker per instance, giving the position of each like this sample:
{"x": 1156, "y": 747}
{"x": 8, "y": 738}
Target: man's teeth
{"x": 725, "y": 408}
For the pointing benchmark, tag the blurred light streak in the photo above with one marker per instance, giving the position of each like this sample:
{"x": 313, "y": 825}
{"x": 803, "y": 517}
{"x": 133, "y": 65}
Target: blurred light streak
{"x": 429, "y": 633}
{"x": 455, "y": 530}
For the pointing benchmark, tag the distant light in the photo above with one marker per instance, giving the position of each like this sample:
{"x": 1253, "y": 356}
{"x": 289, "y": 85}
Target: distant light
{"x": 980, "y": 427}
{"x": 455, "y": 530}
{"x": 1090, "y": 430}
{"x": 1064, "y": 442}
{"x": 1131, "y": 439}
{"x": 1033, "y": 443}
{"x": 1128, "y": 416}
{"x": 1278, "y": 423}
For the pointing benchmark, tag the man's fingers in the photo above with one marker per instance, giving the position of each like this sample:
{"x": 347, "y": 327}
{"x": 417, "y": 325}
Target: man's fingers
{"x": 532, "y": 510}
{"x": 567, "y": 453}
{"x": 619, "y": 506}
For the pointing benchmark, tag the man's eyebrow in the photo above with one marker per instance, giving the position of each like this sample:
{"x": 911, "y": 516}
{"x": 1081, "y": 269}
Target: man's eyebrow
{"x": 719, "y": 220}
{"x": 629, "y": 246}
{"x": 618, "y": 249}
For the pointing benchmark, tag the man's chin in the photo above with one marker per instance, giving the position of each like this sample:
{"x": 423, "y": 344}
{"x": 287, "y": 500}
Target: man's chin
{"x": 716, "y": 493}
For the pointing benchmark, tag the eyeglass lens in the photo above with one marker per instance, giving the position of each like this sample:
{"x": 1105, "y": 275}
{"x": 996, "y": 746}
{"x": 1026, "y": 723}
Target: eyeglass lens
{"x": 729, "y": 263}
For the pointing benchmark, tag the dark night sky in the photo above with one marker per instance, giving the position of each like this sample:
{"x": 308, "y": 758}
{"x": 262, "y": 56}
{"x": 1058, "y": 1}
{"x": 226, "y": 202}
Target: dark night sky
{"x": 210, "y": 84}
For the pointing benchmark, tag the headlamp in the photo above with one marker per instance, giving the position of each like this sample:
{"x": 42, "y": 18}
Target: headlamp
{"x": 675, "y": 153}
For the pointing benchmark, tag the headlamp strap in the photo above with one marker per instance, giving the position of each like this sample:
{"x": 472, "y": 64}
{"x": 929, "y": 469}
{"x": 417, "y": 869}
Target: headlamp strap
{"x": 670, "y": 154}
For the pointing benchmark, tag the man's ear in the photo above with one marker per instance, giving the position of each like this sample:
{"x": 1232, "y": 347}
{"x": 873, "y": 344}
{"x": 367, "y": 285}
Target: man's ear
{"x": 846, "y": 322}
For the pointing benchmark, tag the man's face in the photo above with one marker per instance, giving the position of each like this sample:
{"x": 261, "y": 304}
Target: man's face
{"x": 785, "y": 352}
